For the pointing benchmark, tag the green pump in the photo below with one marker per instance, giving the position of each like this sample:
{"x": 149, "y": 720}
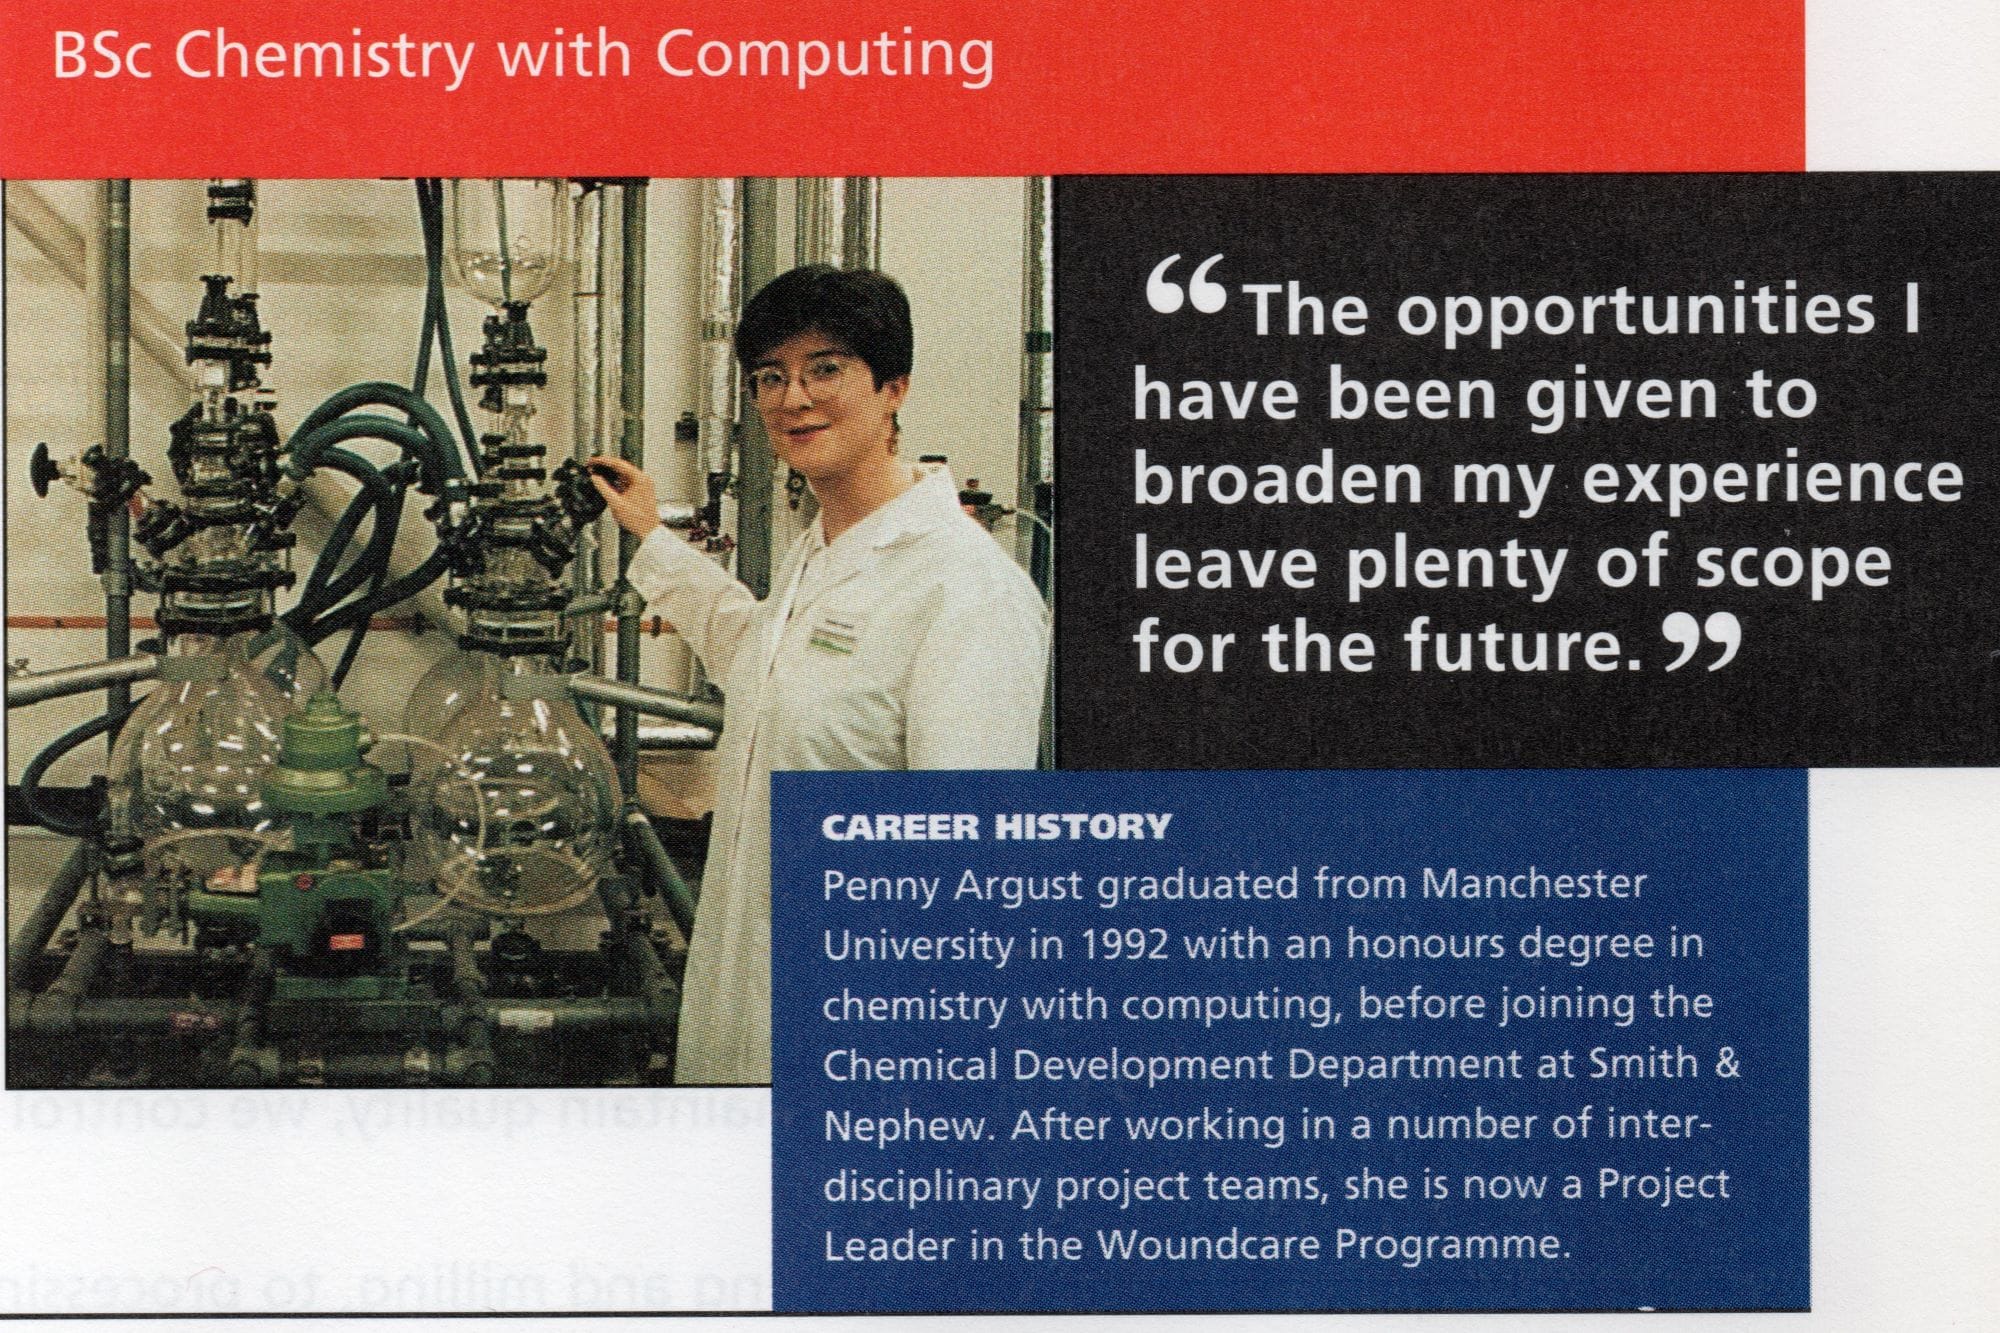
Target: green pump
{"x": 327, "y": 906}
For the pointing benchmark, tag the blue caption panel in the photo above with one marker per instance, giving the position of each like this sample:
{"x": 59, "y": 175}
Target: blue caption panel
{"x": 1290, "y": 1041}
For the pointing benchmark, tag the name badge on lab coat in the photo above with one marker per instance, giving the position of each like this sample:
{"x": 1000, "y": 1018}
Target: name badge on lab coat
{"x": 831, "y": 634}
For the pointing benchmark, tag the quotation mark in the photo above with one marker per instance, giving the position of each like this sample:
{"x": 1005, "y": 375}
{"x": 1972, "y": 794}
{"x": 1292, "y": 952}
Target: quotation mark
{"x": 1722, "y": 629}
{"x": 1166, "y": 296}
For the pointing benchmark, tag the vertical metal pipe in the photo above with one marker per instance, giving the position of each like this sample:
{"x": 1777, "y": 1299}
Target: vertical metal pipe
{"x": 716, "y": 411}
{"x": 1037, "y": 373}
{"x": 819, "y": 229}
{"x": 716, "y": 394}
{"x": 805, "y": 219}
{"x": 465, "y": 976}
{"x": 469, "y": 1058}
{"x": 631, "y": 446}
{"x": 611, "y": 324}
{"x": 118, "y": 422}
{"x": 1037, "y": 461}
{"x": 587, "y": 383}
{"x": 251, "y": 1061}
{"x": 90, "y": 281}
{"x": 861, "y": 240}
{"x": 755, "y": 462}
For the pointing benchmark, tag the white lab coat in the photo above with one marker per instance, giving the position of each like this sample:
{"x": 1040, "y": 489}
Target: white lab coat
{"x": 911, "y": 641}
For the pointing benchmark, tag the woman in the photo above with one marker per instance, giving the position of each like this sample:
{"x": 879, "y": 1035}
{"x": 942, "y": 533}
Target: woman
{"x": 898, "y": 633}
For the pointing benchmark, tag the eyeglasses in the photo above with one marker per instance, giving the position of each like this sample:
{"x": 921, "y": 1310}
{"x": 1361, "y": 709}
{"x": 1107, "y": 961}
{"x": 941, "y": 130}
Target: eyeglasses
{"x": 822, "y": 377}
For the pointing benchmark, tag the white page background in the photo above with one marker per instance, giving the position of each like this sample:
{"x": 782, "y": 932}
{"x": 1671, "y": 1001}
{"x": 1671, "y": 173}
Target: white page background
{"x": 329, "y": 1201}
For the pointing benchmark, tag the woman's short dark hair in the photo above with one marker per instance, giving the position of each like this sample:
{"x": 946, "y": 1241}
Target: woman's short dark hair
{"x": 864, "y": 311}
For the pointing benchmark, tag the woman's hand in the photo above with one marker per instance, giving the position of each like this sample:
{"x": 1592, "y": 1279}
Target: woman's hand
{"x": 628, "y": 494}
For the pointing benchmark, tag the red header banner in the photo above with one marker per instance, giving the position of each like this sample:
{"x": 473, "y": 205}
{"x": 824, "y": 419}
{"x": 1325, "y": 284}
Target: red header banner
{"x": 635, "y": 87}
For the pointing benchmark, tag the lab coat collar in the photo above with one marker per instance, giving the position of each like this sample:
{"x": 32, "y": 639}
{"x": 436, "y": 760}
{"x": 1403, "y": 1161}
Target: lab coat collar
{"x": 928, "y": 505}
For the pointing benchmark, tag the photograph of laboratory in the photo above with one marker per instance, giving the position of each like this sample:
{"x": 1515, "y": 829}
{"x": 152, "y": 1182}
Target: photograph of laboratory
{"x": 412, "y": 585}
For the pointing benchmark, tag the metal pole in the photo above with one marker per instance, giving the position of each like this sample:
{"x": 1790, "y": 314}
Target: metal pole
{"x": 587, "y": 242}
{"x": 819, "y": 227}
{"x": 470, "y": 1057}
{"x": 819, "y": 220}
{"x": 32, "y": 687}
{"x": 118, "y": 424}
{"x": 1037, "y": 378}
{"x": 633, "y": 699}
{"x": 715, "y": 408}
{"x": 720, "y": 229}
{"x": 151, "y": 1016}
{"x": 755, "y": 463}
{"x": 861, "y": 242}
{"x": 631, "y": 447}
{"x": 644, "y": 842}
{"x": 249, "y": 1058}
{"x": 805, "y": 219}
{"x": 1033, "y": 545}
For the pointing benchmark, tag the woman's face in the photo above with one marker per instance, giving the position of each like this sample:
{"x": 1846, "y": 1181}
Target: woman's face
{"x": 821, "y": 409}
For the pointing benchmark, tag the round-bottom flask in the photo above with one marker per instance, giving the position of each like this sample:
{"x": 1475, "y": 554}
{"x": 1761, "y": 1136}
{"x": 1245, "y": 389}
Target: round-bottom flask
{"x": 518, "y": 807}
{"x": 186, "y": 775}
{"x": 459, "y": 678}
{"x": 456, "y": 679}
